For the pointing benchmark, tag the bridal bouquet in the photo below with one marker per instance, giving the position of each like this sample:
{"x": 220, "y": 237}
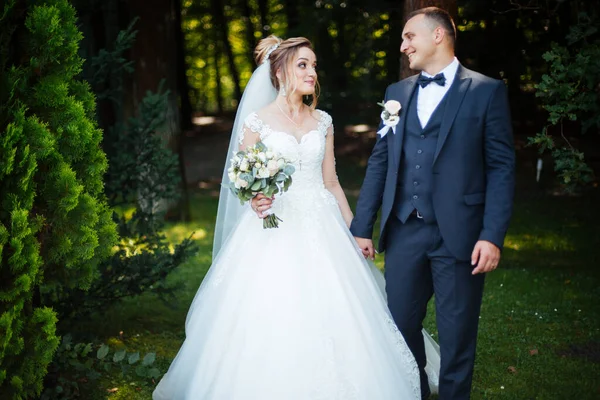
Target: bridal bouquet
{"x": 259, "y": 170}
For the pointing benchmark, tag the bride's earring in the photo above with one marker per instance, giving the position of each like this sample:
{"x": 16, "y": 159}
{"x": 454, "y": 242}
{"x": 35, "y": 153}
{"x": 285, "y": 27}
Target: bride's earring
{"x": 282, "y": 91}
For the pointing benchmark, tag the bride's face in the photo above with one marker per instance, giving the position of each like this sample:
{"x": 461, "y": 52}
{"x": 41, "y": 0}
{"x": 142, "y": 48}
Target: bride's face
{"x": 304, "y": 66}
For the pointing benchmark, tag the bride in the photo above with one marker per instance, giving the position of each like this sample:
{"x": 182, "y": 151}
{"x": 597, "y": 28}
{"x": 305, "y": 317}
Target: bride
{"x": 295, "y": 312}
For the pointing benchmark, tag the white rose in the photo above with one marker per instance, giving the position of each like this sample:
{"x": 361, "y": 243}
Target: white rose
{"x": 240, "y": 183}
{"x": 263, "y": 173}
{"x": 244, "y": 166}
{"x": 232, "y": 176}
{"x": 262, "y": 156}
{"x": 392, "y": 106}
{"x": 272, "y": 165}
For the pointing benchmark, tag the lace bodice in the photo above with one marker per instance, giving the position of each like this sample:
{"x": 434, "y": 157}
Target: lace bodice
{"x": 306, "y": 154}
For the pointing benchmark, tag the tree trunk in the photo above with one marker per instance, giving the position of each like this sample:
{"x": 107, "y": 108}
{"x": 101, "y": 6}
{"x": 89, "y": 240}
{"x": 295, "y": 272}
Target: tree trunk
{"x": 185, "y": 113}
{"x": 203, "y": 95}
{"x": 412, "y": 5}
{"x": 291, "y": 13}
{"x": 392, "y": 59}
{"x": 324, "y": 43}
{"x": 107, "y": 28}
{"x": 221, "y": 26}
{"x": 218, "y": 91}
{"x": 340, "y": 79}
{"x": 263, "y": 8}
{"x": 250, "y": 28}
{"x": 156, "y": 58}
{"x": 182, "y": 82}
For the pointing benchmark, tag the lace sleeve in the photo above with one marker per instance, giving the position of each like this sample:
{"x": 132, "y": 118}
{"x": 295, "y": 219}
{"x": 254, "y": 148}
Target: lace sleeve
{"x": 247, "y": 137}
{"x": 250, "y": 132}
{"x": 325, "y": 123}
{"x": 329, "y": 167}
{"x": 330, "y": 178}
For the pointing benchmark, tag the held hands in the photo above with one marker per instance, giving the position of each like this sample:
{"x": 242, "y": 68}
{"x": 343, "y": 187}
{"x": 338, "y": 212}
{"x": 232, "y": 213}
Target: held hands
{"x": 261, "y": 203}
{"x": 366, "y": 246}
{"x": 486, "y": 256}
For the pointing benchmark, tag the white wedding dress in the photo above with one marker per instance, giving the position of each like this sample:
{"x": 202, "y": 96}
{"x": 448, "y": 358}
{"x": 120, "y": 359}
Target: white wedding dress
{"x": 293, "y": 313}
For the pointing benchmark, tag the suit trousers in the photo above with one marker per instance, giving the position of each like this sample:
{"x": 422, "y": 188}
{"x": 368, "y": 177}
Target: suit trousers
{"x": 418, "y": 265}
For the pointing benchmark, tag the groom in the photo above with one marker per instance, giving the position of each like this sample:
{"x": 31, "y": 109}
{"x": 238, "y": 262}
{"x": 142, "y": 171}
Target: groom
{"x": 444, "y": 180}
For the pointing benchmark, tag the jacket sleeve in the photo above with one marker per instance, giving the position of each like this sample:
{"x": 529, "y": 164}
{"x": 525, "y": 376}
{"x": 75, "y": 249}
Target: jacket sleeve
{"x": 499, "y": 156}
{"x": 371, "y": 192}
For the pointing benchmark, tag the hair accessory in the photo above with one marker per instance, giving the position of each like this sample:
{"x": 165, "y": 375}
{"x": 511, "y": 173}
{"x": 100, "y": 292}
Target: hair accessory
{"x": 272, "y": 49}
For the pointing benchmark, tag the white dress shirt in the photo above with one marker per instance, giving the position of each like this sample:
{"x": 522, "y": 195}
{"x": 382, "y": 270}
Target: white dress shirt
{"x": 431, "y": 95}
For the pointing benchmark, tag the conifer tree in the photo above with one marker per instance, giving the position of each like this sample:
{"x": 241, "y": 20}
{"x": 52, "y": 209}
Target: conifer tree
{"x": 55, "y": 224}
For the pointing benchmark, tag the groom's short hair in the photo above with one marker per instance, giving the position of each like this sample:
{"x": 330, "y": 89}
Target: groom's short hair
{"x": 442, "y": 17}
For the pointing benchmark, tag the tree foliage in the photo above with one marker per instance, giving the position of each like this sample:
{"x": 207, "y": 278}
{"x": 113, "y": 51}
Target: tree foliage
{"x": 351, "y": 40}
{"x": 570, "y": 92}
{"x": 55, "y": 223}
{"x": 143, "y": 176}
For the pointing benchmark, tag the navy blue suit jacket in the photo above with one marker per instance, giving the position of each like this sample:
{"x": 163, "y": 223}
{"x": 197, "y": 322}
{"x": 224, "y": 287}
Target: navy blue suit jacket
{"x": 473, "y": 166}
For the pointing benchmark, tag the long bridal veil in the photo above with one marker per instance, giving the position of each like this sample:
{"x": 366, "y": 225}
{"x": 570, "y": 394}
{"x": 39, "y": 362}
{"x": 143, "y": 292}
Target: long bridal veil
{"x": 258, "y": 93}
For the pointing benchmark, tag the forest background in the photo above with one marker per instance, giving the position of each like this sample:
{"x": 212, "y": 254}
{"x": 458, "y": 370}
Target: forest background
{"x": 115, "y": 117}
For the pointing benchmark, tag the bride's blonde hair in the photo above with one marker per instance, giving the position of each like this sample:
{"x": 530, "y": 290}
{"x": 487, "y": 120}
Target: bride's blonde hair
{"x": 282, "y": 60}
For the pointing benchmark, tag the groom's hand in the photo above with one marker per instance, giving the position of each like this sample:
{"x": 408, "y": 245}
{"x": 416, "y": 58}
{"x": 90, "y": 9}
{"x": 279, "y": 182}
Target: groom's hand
{"x": 366, "y": 246}
{"x": 486, "y": 256}
{"x": 261, "y": 203}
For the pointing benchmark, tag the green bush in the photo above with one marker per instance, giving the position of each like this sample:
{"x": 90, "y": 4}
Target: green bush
{"x": 55, "y": 224}
{"x": 569, "y": 92}
{"x": 78, "y": 362}
{"x": 143, "y": 175}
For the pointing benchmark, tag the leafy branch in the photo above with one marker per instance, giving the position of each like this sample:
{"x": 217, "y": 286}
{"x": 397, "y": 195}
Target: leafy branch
{"x": 76, "y": 363}
{"x": 570, "y": 91}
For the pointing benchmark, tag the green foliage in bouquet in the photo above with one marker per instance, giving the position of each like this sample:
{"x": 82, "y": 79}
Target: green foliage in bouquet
{"x": 259, "y": 170}
{"x": 143, "y": 173}
{"x": 55, "y": 223}
{"x": 570, "y": 92}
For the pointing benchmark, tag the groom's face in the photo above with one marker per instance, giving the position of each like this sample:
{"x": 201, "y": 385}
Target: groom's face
{"x": 418, "y": 42}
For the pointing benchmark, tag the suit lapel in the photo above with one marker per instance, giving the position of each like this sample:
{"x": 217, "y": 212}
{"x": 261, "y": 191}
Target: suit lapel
{"x": 455, "y": 98}
{"x": 403, "y": 95}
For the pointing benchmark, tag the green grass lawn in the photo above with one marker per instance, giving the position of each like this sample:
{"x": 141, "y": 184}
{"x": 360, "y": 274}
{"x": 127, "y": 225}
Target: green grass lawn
{"x": 539, "y": 331}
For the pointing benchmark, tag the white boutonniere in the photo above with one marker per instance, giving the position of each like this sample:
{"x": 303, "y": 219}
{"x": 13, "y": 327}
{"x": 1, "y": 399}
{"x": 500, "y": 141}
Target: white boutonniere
{"x": 389, "y": 116}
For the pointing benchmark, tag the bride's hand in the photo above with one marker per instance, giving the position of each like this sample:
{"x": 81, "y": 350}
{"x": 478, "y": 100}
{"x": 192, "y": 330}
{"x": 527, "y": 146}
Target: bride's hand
{"x": 366, "y": 246}
{"x": 261, "y": 203}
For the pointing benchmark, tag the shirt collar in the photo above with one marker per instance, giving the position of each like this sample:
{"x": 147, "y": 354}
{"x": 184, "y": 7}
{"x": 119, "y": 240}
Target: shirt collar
{"x": 449, "y": 72}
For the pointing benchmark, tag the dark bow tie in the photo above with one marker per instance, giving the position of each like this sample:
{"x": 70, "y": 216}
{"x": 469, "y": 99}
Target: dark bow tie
{"x": 440, "y": 79}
